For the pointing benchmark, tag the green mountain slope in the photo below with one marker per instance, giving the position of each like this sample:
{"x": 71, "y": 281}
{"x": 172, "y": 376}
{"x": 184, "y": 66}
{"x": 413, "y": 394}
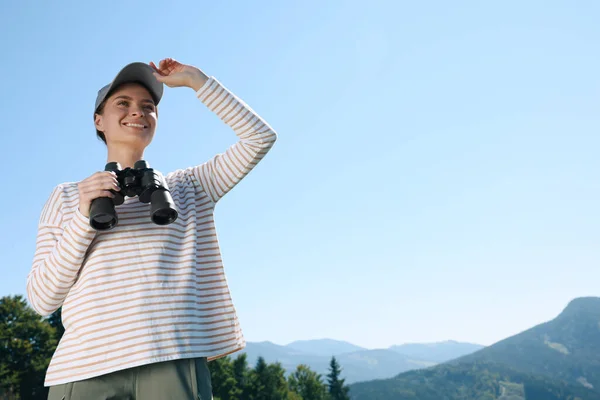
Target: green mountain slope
{"x": 557, "y": 360}
{"x": 469, "y": 381}
{"x": 566, "y": 348}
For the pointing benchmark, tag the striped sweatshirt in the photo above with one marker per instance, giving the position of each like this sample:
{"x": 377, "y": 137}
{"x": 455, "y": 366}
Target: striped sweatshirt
{"x": 143, "y": 293}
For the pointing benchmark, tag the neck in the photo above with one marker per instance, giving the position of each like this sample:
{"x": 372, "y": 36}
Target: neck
{"x": 125, "y": 156}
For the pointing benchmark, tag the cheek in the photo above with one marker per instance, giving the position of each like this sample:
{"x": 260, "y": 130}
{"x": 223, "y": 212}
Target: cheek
{"x": 115, "y": 119}
{"x": 111, "y": 123}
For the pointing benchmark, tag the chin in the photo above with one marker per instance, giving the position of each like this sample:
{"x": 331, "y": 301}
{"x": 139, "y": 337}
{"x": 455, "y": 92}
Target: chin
{"x": 145, "y": 136}
{"x": 137, "y": 142}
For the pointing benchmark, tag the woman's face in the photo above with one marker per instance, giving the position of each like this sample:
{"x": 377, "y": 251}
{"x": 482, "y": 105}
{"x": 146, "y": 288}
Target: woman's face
{"x": 129, "y": 117}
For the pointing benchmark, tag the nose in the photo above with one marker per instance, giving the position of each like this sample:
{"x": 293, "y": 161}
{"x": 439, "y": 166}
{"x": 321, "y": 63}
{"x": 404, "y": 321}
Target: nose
{"x": 137, "y": 111}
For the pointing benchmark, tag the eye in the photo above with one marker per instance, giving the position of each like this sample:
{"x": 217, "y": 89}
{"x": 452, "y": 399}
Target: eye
{"x": 150, "y": 107}
{"x": 123, "y": 103}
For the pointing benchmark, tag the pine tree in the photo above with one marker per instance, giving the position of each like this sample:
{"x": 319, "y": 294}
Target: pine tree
{"x": 258, "y": 381}
{"x": 337, "y": 389}
{"x": 267, "y": 382}
{"x": 241, "y": 374}
{"x": 277, "y": 383}
{"x": 223, "y": 382}
{"x": 27, "y": 342}
{"x": 307, "y": 384}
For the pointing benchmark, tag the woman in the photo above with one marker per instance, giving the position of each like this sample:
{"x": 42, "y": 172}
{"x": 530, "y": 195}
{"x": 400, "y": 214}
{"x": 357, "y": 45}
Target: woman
{"x": 144, "y": 306}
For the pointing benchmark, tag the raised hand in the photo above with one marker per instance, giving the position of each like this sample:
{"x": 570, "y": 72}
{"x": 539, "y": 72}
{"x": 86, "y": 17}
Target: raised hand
{"x": 175, "y": 74}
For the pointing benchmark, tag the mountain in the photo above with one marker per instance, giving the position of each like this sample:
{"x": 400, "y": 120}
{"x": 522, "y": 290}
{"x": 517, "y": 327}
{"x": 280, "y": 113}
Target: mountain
{"x": 469, "y": 381}
{"x": 358, "y": 363}
{"x": 272, "y": 352}
{"x": 374, "y": 364}
{"x": 324, "y": 347}
{"x": 566, "y": 348}
{"x": 437, "y": 352}
{"x": 559, "y": 359}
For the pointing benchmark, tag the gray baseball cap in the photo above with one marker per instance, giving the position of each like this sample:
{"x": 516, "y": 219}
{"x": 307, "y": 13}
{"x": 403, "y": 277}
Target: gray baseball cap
{"x": 135, "y": 72}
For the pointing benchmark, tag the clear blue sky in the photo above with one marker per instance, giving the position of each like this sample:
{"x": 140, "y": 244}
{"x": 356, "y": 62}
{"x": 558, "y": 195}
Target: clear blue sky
{"x": 435, "y": 177}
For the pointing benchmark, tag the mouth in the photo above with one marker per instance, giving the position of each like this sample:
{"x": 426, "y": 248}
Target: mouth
{"x": 135, "y": 125}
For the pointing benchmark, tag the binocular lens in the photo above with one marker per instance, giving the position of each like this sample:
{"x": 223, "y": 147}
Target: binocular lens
{"x": 103, "y": 222}
{"x": 164, "y": 217}
{"x": 102, "y": 214}
{"x": 162, "y": 209}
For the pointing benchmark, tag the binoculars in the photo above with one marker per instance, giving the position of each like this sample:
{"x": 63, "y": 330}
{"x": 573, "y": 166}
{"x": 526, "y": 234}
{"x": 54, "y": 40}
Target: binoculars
{"x": 142, "y": 181}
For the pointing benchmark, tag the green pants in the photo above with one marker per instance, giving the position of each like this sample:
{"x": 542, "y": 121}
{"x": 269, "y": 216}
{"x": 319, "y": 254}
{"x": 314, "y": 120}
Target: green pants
{"x": 180, "y": 379}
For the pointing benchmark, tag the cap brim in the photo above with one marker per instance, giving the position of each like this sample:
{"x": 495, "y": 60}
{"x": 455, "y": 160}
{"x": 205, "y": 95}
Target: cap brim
{"x": 135, "y": 72}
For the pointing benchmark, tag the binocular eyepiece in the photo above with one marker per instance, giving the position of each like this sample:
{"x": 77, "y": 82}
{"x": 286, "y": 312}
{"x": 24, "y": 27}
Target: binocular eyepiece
{"x": 142, "y": 181}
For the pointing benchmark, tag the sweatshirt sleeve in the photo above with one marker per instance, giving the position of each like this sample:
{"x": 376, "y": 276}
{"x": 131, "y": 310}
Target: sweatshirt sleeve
{"x": 220, "y": 174}
{"x": 61, "y": 247}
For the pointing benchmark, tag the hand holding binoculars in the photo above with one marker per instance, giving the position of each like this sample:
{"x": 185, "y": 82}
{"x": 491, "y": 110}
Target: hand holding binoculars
{"x": 142, "y": 181}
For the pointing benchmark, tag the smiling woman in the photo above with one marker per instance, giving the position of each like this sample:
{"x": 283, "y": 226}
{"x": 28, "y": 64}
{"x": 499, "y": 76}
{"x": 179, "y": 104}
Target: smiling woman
{"x": 144, "y": 306}
{"x": 127, "y": 118}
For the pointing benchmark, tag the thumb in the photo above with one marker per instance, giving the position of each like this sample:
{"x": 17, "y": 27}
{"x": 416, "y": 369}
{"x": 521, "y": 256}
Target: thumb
{"x": 159, "y": 77}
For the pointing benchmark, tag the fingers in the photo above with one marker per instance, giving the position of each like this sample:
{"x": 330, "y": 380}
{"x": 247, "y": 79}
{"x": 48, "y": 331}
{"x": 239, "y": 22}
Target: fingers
{"x": 162, "y": 64}
{"x": 107, "y": 180}
{"x": 95, "y": 193}
{"x": 98, "y": 185}
{"x": 165, "y": 66}
{"x": 161, "y": 71}
{"x": 157, "y": 73}
{"x": 165, "y": 71}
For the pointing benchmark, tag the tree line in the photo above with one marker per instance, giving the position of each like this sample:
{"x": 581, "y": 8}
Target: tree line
{"x": 29, "y": 340}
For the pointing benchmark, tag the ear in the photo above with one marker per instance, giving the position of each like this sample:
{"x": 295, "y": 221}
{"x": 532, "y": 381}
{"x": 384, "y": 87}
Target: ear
{"x": 99, "y": 122}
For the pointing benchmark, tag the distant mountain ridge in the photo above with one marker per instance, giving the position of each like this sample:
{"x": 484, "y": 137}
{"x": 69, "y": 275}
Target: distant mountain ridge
{"x": 324, "y": 347}
{"x": 358, "y": 363}
{"x": 556, "y": 360}
{"x": 437, "y": 352}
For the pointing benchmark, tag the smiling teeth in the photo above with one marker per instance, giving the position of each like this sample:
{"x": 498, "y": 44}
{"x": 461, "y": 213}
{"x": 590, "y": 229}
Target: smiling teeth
{"x": 135, "y": 125}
